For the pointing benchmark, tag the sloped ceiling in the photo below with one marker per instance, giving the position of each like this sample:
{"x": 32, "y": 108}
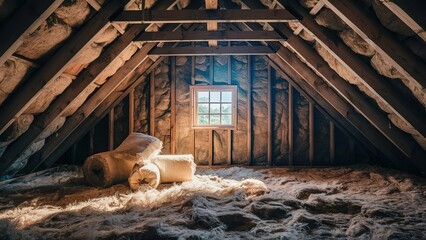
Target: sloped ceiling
{"x": 99, "y": 59}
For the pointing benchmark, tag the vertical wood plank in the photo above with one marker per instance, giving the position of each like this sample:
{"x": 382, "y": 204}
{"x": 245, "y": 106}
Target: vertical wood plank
{"x": 229, "y": 131}
{"x": 332, "y": 143}
{"x": 290, "y": 124}
{"x": 211, "y": 148}
{"x": 193, "y": 84}
{"x": 311, "y": 134}
{"x": 152, "y": 104}
{"x": 111, "y": 130}
{"x": 249, "y": 106}
{"x": 173, "y": 106}
{"x": 211, "y": 131}
{"x": 131, "y": 111}
{"x": 269, "y": 115}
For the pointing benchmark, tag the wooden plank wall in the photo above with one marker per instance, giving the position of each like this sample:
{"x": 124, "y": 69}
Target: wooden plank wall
{"x": 271, "y": 75}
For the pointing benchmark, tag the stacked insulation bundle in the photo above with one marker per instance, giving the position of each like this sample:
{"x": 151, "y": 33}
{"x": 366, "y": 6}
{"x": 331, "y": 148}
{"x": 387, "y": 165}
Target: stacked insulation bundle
{"x": 137, "y": 159}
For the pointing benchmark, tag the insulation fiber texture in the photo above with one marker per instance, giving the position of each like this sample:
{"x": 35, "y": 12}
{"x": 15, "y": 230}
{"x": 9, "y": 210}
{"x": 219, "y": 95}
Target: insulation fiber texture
{"x": 355, "y": 202}
{"x": 163, "y": 169}
{"x": 175, "y": 168}
{"x": 147, "y": 176}
{"x": 107, "y": 168}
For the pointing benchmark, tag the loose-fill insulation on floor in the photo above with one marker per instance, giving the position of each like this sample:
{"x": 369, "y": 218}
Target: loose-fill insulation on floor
{"x": 234, "y": 203}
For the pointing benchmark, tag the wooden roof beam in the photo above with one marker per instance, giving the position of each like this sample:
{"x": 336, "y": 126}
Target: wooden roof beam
{"x": 205, "y": 16}
{"x": 87, "y": 77}
{"x": 24, "y": 96}
{"x": 25, "y": 21}
{"x": 346, "y": 110}
{"x": 411, "y": 113}
{"x": 198, "y": 36}
{"x": 401, "y": 140}
{"x": 411, "y": 13}
{"x": 90, "y": 122}
{"x": 211, "y": 51}
{"x": 113, "y": 84}
{"x": 323, "y": 104}
{"x": 87, "y": 108}
{"x": 408, "y": 64}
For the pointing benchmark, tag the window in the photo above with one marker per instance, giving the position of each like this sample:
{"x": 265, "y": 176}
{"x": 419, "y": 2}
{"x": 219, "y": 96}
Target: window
{"x": 214, "y": 106}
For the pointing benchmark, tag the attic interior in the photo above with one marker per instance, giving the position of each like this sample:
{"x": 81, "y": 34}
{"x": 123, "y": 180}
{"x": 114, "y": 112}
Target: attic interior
{"x": 231, "y": 119}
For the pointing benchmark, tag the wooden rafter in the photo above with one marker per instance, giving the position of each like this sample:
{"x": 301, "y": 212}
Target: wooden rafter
{"x": 22, "y": 23}
{"x": 322, "y": 104}
{"x": 198, "y": 36}
{"x": 27, "y": 94}
{"x": 87, "y": 77}
{"x": 344, "y": 109}
{"x": 411, "y": 13}
{"x": 90, "y": 122}
{"x": 401, "y": 140}
{"x": 412, "y": 114}
{"x": 210, "y": 51}
{"x": 88, "y": 107}
{"x": 101, "y": 95}
{"x": 98, "y": 97}
{"x": 408, "y": 64}
{"x": 205, "y": 16}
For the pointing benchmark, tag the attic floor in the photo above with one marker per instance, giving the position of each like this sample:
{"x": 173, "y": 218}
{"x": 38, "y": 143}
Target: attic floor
{"x": 223, "y": 203}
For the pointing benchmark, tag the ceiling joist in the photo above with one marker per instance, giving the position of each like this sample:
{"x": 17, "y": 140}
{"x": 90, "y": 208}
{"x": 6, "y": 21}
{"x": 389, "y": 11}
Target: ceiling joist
{"x": 211, "y": 51}
{"x": 198, "y": 36}
{"x": 204, "y": 16}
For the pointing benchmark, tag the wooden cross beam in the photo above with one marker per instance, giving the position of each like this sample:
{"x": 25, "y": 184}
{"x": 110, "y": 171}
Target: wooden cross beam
{"x": 27, "y": 19}
{"x": 204, "y": 16}
{"x": 198, "y": 36}
{"x": 211, "y": 51}
{"x": 408, "y": 64}
{"x": 18, "y": 102}
{"x": 411, "y": 113}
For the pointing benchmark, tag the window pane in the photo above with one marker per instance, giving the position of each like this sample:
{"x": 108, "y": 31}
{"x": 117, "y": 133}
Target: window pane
{"x": 226, "y": 108}
{"x": 214, "y": 96}
{"x": 214, "y": 119}
{"x": 226, "y": 96}
{"x": 226, "y": 119}
{"x": 214, "y": 108}
{"x": 203, "y": 119}
{"x": 203, "y": 96}
{"x": 203, "y": 108}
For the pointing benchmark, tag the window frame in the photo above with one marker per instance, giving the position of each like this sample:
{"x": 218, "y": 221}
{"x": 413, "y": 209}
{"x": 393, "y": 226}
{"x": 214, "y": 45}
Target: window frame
{"x": 213, "y": 88}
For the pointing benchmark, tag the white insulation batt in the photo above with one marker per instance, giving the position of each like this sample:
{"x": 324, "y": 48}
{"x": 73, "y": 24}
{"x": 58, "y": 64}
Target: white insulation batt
{"x": 107, "y": 168}
{"x": 357, "y": 202}
{"x": 163, "y": 169}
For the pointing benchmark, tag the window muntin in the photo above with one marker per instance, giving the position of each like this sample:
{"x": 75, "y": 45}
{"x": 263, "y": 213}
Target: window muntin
{"x": 214, "y": 106}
